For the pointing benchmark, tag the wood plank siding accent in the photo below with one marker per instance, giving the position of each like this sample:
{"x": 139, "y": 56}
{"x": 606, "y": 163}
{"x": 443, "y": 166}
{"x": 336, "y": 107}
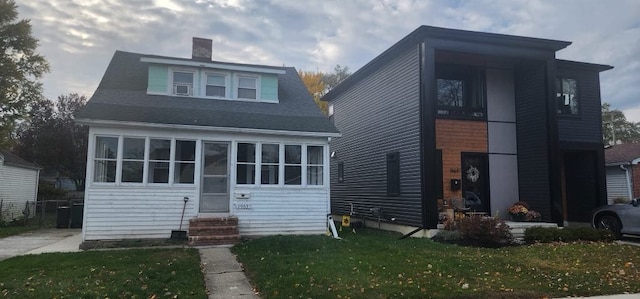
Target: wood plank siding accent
{"x": 454, "y": 137}
{"x": 379, "y": 115}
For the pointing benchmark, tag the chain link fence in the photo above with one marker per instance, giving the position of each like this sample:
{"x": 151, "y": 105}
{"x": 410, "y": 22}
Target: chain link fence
{"x": 42, "y": 213}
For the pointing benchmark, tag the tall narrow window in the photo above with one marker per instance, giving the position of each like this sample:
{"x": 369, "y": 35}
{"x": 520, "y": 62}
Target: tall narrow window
{"x": 439, "y": 172}
{"x": 132, "y": 160}
{"x": 270, "y": 161}
{"x": 293, "y": 165}
{"x": 393, "y": 174}
{"x": 246, "y": 162}
{"x": 315, "y": 159}
{"x": 247, "y": 87}
{"x": 185, "y": 162}
{"x": 183, "y": 83}
{"x": 216, "y": 86}
{"x": 340, "y": 172}
{"x": 567, "y": 96}
{"x": 106, "y": 157}
{"x": 159, "y": 157}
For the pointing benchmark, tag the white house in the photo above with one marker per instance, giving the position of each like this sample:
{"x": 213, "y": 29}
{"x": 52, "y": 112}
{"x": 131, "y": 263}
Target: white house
{"x": 236, "y": 141}
{"x": 18, "y": 186}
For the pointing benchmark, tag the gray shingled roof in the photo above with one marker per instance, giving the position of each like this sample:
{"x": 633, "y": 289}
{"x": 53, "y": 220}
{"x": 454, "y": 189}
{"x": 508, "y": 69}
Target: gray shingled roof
{"x": 122, "y": 96}
{"x": 11, "y": 159}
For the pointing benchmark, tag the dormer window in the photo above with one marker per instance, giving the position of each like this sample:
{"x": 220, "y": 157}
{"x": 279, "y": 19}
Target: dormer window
{"x": 247, "y": 87}
{"x": 216, "y": 85}
{"x": 182, "y": 83}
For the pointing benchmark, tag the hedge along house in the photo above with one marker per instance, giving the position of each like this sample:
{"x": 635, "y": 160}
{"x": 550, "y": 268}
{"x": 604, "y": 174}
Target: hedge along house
{"x": 244, "y": 145}
{"x": 446, "y": 114}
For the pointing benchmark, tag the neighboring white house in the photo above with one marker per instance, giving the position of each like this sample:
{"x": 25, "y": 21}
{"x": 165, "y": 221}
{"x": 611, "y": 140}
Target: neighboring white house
{"x": 18, "y": 186}
{"x": 234, "y": 140}
{"x": 623, "y": 172}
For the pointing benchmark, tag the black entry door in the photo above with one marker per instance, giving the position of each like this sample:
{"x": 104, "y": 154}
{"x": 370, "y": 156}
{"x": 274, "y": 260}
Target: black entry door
{"x": 581, "y": 184}
{"x": 475, "y": 181}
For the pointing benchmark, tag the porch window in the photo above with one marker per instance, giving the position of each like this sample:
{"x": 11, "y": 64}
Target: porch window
{"x": 460, "y": 91}
{"x": 246, "y": 162}
{"x": 247, "y": 87}
{"x": 567, "y": 96}
{"x": 185, "y": 162}
{"x": 159, "y": 157}
{"x": 133, "y": 160}
{"x": 293, "y": 165}
{"x": 270, "y": 161}
{"x": 315, "y": 156}
{"x": 106, "y": 154}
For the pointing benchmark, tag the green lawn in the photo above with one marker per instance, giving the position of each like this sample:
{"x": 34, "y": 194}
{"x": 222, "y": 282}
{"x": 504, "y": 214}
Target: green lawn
{"x": 148, "y": 273}
{"x": 33, "y": 224}
{"x": 376, "y": 264}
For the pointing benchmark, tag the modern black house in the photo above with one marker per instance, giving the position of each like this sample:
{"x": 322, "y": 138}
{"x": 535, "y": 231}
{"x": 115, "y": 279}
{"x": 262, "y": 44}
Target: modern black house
{"x": 491, "y": 118}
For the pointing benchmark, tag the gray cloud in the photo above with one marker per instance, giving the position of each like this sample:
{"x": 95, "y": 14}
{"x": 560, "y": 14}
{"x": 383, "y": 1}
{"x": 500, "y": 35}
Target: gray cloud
{"x": 78, "y": 37}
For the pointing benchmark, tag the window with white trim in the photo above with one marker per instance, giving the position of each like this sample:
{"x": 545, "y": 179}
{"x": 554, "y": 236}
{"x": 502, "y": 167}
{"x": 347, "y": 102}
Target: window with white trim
{"x": 292, "y": 165}
{"x": 138, "y": 158}
{"x": 215, "y": 85}
{"x": 159, "y": 157}
{"x": 132, "y": 160}
{"x": 247, "y": 87}
{"x": 270, "y": 170}
{"x": 246, "y": 163}
{"x": 182, "y": 83}
{"x": 185, "y": 162}
{"x": 280, "y": 164}
{"x": 105, "y": 159}
{"x": 315, "y": 158}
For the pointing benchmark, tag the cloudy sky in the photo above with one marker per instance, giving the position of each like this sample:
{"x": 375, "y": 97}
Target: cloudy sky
{"x": 78, "y": 37}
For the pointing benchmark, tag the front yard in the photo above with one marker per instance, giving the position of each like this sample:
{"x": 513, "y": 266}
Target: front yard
{"x": 375, "y": 264}
{"x": 149, "y": 273}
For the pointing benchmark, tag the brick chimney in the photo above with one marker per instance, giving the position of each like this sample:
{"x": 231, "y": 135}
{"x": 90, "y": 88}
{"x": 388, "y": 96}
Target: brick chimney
{"x": 201, "y": 49}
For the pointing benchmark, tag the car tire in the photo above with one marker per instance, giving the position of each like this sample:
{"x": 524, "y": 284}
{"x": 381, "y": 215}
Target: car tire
{"x": 610, "y": 222}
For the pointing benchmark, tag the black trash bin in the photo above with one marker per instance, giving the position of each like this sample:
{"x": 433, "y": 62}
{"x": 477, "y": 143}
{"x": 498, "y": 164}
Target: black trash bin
{"x": 62, "y": 217}
{"x": 77, "y": 211}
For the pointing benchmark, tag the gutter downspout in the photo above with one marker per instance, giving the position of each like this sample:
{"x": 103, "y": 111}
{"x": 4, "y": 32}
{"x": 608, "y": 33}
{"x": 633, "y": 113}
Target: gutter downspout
{"x": 628, "y": 177}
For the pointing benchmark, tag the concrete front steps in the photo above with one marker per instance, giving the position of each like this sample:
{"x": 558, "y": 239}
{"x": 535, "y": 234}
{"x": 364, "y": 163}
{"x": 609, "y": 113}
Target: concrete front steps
{"x": 213, "y": 231}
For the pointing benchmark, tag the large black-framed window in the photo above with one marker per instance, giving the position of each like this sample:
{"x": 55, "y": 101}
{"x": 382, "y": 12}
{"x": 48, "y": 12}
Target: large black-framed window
{"x": 567, "y": 99}
{"x": 393, "y": 174}
{"x": 460, "y": 91}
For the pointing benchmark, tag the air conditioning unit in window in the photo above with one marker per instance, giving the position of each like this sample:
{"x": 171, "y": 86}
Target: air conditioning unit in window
{"x": 182, "y": 89}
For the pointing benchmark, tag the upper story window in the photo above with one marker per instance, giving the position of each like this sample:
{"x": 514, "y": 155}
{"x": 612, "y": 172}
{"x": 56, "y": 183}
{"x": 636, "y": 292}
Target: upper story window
{"x": 247, "y": 87}
{"x": 216, "y": 85}
{"x": 460, "y": 91}
{"x": 567, "y": 96}
{"x": 182, "y": 83}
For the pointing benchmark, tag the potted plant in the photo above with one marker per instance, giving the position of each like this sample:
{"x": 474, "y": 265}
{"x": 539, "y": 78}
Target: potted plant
{"x": 518, "y": 211}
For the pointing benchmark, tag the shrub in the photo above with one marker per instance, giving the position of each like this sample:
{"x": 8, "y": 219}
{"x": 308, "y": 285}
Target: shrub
{"x": 567, "y": 234}
{"x": 481, "y": 231}
{"x": 448, "y": 236}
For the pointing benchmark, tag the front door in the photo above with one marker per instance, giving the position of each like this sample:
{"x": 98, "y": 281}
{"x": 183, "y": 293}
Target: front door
{"x": 475, "y": 181}
{"x": 215, "y": 178}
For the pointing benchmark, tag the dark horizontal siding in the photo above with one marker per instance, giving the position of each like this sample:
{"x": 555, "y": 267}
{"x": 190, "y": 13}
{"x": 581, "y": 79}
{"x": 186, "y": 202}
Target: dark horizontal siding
{"x": 531, "y": 129}
{"x": 376, "y": 116}
{"x": 587, "y": 126}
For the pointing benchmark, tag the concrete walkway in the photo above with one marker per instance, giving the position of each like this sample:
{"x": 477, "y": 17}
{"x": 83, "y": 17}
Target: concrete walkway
{"x": 40, "y": 241}
{"x": 224, "y": 276}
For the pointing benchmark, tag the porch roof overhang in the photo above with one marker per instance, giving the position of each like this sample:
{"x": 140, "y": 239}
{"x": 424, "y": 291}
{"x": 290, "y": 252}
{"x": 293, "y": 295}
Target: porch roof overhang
{"x": 137, "y": 124}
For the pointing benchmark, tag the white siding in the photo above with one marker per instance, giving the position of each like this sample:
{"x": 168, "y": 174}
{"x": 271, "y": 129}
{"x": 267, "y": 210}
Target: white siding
{"x": 281, "y": 211}
{"x": 17, "y": 186}
{"x": 151, "y": 211}
{"x": 617, "y": 184}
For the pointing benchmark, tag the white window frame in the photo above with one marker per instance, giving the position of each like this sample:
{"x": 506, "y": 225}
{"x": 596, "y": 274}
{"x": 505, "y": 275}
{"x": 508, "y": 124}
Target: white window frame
{"x": 282, "y": 164}
{"x": 94, "y": 159}
{"x": 236, "y": 86}
{"x": 121, "y": 158}
{"x": 171, "y": 86}
{"x": 227, "y": 86}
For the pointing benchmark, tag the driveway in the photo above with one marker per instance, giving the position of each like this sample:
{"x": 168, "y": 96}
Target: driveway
{"x": 40, "y": 241}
